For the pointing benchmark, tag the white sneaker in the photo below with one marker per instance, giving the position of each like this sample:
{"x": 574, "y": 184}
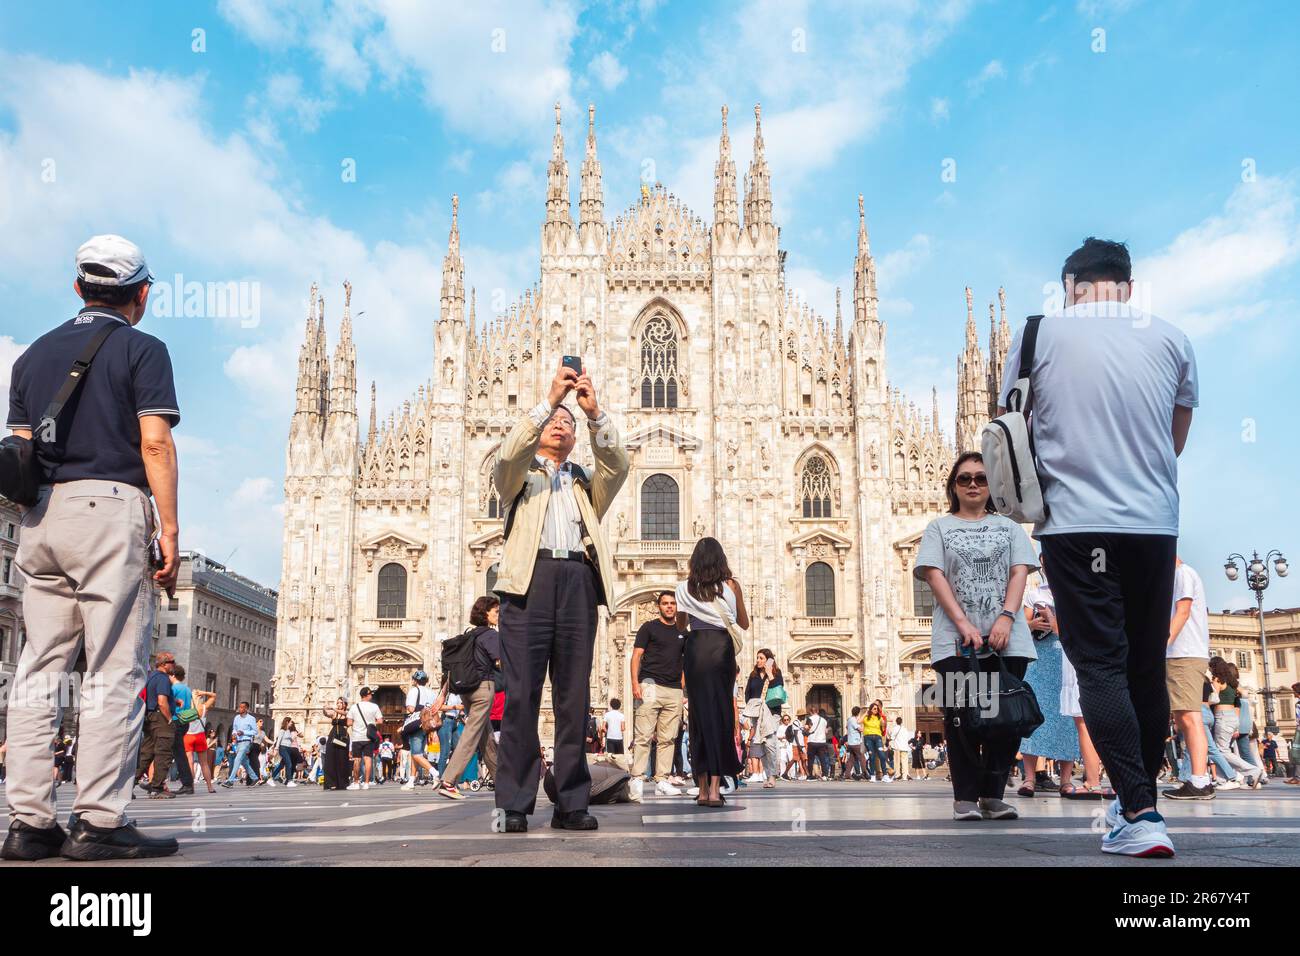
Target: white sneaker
{"x": 1147, "y": 836}
{"x": 292, "y": 783}
{"x": 366, "y": 785}
{"x": 1114, "y": 814}
{"x": 1233, "y": 784}
{"x": 270, "y": 783}
{"x": 636, "y": 789}
{"x": 354, "y": 786}
{"x": 887, "y": 779}
{"x": 1256, "y": 780}
{"x": 666, "y": 789}
{"x": 693, "y": 792}
{"x": 728, "y": 786}
{"x": 409, "y": 785}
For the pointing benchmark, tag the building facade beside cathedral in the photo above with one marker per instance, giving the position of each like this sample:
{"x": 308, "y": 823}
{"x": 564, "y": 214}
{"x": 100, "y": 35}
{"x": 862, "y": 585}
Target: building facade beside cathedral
{"x": 746, "y": 416}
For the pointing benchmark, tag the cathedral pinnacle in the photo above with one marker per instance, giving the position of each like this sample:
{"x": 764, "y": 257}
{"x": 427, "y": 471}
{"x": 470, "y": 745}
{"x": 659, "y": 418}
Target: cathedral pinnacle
{"x": 725, "y": 213}
{"x": 591, "y": 202}
{"x": 557, "y": 183}
{"x": 758, "y": 182}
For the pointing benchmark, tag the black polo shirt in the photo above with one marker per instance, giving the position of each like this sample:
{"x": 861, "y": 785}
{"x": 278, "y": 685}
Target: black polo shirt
{"x": 98, "y": 433}
{"x": 664, "y": 648}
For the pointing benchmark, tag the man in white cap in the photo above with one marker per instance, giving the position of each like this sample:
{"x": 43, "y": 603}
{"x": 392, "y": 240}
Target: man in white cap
{"x": 96, "y": 397}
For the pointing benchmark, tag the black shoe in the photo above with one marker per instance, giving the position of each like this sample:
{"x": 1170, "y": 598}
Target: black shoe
{"x": 515, "y": 822}
{"x": 189, "y": 789}
{"x": 162, "y": 793}
{"x": 88, "y": 842}
{"x": 573, "y": 820}
{"x": 26, "y": 842}
{"x": 1188, "y": 791}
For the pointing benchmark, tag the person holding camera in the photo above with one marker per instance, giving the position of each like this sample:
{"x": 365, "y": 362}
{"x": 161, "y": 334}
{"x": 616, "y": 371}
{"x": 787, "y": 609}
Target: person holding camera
{"x": 94, "y": 402}
{"x": 556, "y": 569}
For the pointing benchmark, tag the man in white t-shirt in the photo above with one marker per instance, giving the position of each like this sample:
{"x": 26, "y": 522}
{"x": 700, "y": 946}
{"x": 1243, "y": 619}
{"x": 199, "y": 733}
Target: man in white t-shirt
{"x": 898, "y": 743}
{"x": 1112, "y": 393}
{"x": 1187, "y": 658}
{"x": 818, "y": 752}
{"x": 614, "y": 721}
{"x": 361, "y": 717}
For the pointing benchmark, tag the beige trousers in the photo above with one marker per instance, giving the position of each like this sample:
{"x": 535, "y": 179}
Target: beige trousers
{"x": 657, "y": 714}
{"x": 83, "y": 553}
{"x": 477, "y": 733}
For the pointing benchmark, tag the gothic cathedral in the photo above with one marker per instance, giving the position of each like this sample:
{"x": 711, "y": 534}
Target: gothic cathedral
{"x": 746, "y": 415}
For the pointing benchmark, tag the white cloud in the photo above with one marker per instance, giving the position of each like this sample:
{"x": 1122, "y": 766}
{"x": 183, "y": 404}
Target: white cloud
{"x": 993, "y": 70}
{"x": 939, "y": 109}
{"x": 9, "y": 352}
{"x": 900, "y": 264}
{"x": 1216, "y": 273}
{"x": 606, "y": 70}
{"x": 491, "y": 68}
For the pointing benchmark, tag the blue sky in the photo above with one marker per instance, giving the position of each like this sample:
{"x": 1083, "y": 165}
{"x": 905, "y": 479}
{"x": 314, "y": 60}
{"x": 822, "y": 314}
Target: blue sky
{"x": 1172, "y": 128}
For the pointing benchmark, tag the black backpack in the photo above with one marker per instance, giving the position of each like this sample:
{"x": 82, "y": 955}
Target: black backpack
{"x": 459, "y": 662}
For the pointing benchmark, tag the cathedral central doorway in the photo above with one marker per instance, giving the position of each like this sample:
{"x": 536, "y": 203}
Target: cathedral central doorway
{"x": 392, "y": 704}
{"x": 826, "y": 698}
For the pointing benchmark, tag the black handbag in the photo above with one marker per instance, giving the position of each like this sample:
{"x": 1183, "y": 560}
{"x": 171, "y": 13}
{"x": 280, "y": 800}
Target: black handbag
{"x": 20, "y": 469}
{"x": 994, "y": 705}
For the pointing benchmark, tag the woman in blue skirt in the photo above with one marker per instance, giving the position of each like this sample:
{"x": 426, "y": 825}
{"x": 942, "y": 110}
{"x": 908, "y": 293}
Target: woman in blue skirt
{"x": 1056, "y": 738}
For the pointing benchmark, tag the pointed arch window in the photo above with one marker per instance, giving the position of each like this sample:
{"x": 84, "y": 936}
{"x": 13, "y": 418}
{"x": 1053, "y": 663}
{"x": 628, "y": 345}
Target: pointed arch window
{"x": 392, "y": 592}
{"x": 819, "y": 590}
{"x": 815, "y": 488}
{"x": 660, "y": 509}
{"x": 659, "y": 372}
{"x": 492, "y": 577}
{"x": 493, "y": 505}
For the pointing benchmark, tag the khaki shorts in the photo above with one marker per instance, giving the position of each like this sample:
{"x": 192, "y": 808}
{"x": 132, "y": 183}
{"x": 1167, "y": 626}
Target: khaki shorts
{"x": 1185, "y": 677}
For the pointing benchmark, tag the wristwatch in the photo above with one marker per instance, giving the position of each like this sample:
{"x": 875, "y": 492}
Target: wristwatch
{"x": 1009, "y": 615}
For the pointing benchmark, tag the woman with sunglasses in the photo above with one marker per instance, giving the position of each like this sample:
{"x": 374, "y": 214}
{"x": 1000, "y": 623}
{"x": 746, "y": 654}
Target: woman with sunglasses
{"x": 976, "y": 563}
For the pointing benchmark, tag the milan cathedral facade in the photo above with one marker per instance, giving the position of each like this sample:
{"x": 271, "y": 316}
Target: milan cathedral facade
{"x": 746, "y": 415}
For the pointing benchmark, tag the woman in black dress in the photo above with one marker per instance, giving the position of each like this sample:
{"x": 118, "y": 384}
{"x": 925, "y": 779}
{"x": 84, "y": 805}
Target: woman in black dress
{"x": 337, "y": 767}
{"x": 710, "y": 599}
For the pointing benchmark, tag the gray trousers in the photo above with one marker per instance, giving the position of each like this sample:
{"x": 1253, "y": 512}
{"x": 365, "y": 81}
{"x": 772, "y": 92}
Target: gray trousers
{"x": 83, "y": 553}
{"x": 477, "y": 733}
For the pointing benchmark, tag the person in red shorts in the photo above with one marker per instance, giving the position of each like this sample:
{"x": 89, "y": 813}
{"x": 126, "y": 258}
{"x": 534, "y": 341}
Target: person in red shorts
{"x": 196, "y": 738}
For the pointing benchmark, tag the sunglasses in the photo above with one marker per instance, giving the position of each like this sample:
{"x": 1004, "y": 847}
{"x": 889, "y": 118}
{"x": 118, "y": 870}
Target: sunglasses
{"x": 966, "y": 479}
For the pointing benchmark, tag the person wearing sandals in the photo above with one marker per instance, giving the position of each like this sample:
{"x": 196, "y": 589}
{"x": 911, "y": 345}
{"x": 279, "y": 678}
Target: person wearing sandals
{"x": 977, "y": 563}
{"x": 764, "y": 695}
{"x": 710, "y": 600}
{"x": 1056, "y": 737}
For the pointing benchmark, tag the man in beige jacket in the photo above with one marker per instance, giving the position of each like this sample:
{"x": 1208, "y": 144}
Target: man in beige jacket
{"x": 555, "y": 571}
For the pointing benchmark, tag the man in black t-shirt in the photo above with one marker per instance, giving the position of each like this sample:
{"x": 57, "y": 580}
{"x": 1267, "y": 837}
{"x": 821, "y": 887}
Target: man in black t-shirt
{"x": 85, "y": 555}
{"x": 657, "y": 689}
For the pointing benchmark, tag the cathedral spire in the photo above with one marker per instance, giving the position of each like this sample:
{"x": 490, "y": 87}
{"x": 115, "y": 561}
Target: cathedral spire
{"x": 308, "y": 388}
{"x": 972, "y": 384}
{"x": 972, "y": 334}
{"x": 452, "y": 299}
{"x": 725, "y": 213}
{"x": 839, "y": 318}
{"x": 374, "y": 410}
{"x": 558, "y": 223}
{"x": 343, "y": 381}
{"x": 758, "y": 181}
{"x": 864, "y": 272}
{"x": 591, "y": 202}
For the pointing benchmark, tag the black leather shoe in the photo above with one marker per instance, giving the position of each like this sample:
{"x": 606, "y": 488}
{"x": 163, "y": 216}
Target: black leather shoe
{"x": 515, "y": 822}
{"x": 185, "y": 790}
{"x": 88, "y": 842}
{"x": 573, "y": 820}
{"x": 26, "y": 842}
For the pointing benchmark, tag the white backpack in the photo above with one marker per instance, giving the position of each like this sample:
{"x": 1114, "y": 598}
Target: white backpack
{"x": 1008, "y": 446}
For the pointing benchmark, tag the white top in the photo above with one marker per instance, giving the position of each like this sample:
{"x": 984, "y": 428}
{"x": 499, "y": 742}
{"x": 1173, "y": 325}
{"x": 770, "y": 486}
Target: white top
{"x": 899, "y": 735}
{"x": 613, "y": 725}
{"x": 363, "y": 712}
{"x": 286, "y": 738}
{"x": 817, "y": 729}
{"x": 420, "y": 697}
{"x": 707, "y": 611}
{"x": 1106, "y": 378}
{"x": 1194, "y": 639}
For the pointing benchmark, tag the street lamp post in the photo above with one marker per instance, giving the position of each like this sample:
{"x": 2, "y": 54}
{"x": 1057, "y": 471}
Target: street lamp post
{"x": 1257, "y": 579}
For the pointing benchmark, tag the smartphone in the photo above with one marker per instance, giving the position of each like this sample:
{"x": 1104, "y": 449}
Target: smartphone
{"x": 155, "y": 555}
{"x": 574, "y": 362}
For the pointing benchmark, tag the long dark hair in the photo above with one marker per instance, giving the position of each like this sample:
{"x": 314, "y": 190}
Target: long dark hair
{"x": 951, "y": 487}
{"x": 759, "y": 672}
{"x": 707, "y": 570}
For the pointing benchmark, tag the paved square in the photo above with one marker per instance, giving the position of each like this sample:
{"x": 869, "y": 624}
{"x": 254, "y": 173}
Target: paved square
{"x": 797, "y": 823}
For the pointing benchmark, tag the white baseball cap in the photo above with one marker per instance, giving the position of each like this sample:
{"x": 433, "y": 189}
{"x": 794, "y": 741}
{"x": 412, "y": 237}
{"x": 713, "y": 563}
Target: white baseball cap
{"x": 120, "y": 261}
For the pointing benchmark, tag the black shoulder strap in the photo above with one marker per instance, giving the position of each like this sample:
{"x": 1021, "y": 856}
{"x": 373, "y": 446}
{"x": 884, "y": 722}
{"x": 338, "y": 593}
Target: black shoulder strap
{"x": 79, "y": 367}
{"x": 1028, "y": 342}
{"x": 514, "y": 506}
